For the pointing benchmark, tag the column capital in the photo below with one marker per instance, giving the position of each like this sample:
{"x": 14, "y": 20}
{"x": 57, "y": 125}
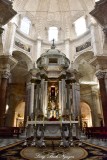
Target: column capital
{"x": 5, "y": 74}
{"x": 105, "y": 31}
{"x": 7, "y": 60}
{"x": 1, "y": 30}
{"x": 33, "y": 75}
{"x": 100, "y": 74}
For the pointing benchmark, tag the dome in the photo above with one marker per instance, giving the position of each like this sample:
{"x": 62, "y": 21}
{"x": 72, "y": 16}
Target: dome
{"x": 53, "y": 51}
{"x": 53, "y": 58}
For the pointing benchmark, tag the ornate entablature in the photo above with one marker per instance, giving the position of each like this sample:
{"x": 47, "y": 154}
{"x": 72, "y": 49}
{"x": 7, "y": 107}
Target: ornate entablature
{"x": 83, "y": 46}
{"x": 22, "y": 45}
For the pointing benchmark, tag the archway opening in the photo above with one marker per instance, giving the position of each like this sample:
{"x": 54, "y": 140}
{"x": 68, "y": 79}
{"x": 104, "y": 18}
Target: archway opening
{"x": 86, "y": 115}
{"x": 19, "y": 114}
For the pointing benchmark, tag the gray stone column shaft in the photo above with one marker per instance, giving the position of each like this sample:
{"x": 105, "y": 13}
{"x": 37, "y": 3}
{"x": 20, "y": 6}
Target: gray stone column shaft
{"x": 42, "y": 95}
{"x": 76, "y": 100}
{"x": 36, "y": 98}
{"x": 63, "y": 96}
{"x": 68, "y": 97}
{"x": 45, "y": 97}
{"x": 60, "y": 98}
{"x": 31, "y": 109}
{"x": 96, "y": 122}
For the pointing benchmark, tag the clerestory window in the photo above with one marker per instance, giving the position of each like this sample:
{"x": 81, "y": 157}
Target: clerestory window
{"x": 53, "y": 33}
{"x": 80, "y": 26}
{"x": 25, "y": 25}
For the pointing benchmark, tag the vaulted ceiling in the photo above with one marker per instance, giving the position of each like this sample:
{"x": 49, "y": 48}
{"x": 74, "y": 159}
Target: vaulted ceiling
{"x": 54, "y": 10}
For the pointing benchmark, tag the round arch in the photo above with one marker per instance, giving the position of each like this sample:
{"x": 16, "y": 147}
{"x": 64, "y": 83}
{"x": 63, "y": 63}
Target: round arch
{"x": 85, "y": 56}
{"x": 20, "y": 55}
{"x": 86, "y": 114}
{"x": 19, "y": 114}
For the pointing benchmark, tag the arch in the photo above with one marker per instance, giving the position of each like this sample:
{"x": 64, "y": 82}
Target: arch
{"x": 19, "y": 114}
{"x": 82, "y": 62}
{"x": 85, "y": 55}
{"x": 86, "y": 114}
{"x": 22, "y": 56}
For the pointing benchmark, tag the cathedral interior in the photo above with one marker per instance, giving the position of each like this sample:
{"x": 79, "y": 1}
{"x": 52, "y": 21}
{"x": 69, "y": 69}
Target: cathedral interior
{"x": 53, "y": 68}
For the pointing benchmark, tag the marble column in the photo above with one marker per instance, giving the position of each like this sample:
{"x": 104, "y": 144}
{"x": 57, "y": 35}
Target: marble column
{"x": 60, "y": 98}
{"x": 3, "y": 91}
{"x": 27, "y": 104}
{"x": 75, "y": 109}
{"x": 95, "y": 109}
{"x": 63, "y": 97}
{"x": 32, "y": 99}
{"x": 68, "y": 97}
{"x": 45, "y": 97}
{"x": 101, "y": 77}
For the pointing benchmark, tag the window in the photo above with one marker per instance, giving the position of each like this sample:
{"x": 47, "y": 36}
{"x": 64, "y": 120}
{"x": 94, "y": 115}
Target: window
{"x": 53, "y": 33}
{"x": 52, "y": 60}
{"x": 25, "y": 25}
{"x": 80, "y": 26}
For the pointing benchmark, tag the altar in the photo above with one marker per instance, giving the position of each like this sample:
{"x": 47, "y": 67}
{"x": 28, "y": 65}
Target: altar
{"x": 53, "y": 109}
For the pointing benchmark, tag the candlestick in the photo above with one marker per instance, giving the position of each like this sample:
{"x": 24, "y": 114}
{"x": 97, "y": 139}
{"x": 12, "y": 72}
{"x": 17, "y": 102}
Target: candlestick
{"x": 43, "y": 120}
{"x": 35, "y": 120}
{"x": 70, "y": 119}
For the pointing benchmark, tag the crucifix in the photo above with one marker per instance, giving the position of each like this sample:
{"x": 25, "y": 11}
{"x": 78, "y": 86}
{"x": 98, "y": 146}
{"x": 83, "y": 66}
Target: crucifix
{"x": 53, "y": 44}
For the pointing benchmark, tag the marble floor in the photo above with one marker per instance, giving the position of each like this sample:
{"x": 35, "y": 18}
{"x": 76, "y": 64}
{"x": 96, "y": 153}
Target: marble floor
{"x": 7, "y": 141}
{"x": 98, "y": 142}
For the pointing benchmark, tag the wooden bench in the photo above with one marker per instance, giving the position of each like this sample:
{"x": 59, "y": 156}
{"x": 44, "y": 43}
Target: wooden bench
{"x": 9, "y": 131}
{"x": 96, "y": 132}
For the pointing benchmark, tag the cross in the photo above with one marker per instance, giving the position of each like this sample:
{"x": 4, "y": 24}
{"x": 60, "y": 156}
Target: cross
{"x": 53, "y": 44}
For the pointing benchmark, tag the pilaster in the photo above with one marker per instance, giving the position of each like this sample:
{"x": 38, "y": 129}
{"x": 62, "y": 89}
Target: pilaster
{"x": 9, "y": 38}
{"x": 67, "y": 48}
{"x": 95, "y": 38}
{"x": 39, "y": 43}
{"x": 96, "y": 110}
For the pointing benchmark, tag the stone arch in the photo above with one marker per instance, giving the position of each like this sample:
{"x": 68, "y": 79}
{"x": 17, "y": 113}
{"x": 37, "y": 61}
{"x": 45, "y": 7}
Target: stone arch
{"x": 87, "y": 56}
{"x": 86, "y": 114}
{"x": 19, "y": 114}
{"x": 23, "y": 56}
{"x": 82, "y": 64}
